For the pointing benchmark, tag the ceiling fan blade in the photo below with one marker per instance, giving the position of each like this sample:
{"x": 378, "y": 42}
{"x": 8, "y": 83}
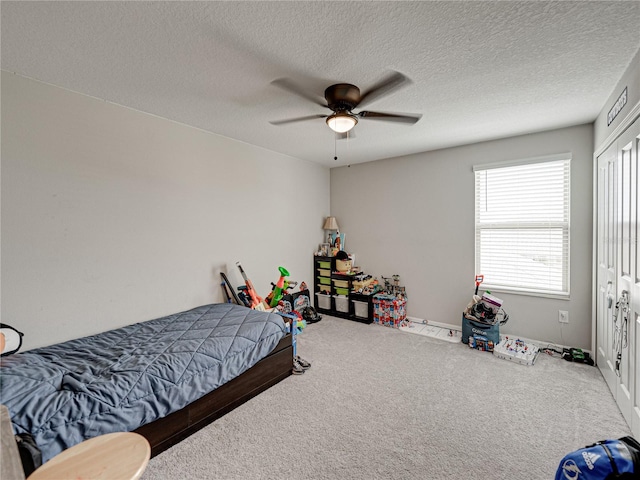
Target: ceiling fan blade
{"x": 289, "y": 86}
{"x": 297, "y": 119}
{"x": 388, "y": 84}
{"x": 391, "y": 117}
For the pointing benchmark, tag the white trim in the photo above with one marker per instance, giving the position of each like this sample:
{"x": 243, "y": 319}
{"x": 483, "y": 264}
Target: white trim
{"x": 616, "y": 132}
{"x": 422, "y": 321}
{"x": 523, "y": 161}
{"x": 529, "y": 293}
{"x": 494, "y": 223}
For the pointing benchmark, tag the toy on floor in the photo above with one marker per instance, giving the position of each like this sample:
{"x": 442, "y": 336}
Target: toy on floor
{"x": 517, "y": 350}
{"x": 392, "y": 286}
{"x": 295, "y": 324}
{"x": 277, "y": 292}
{"x": 577, "y": 355}
{"x": 255, "y": 301}
{"x": 482, "y": 343}
{"x": 485, "y": 308}
{"x": 226, "y": 285}
{"x": 226, "y": 292}
{"x": 311, "y": 315}
{"x": 479, "y": 280}
{"x": 422, "y": 327}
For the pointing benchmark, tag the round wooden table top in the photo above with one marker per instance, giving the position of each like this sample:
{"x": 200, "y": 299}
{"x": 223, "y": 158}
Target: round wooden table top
{"x": 114, "y": 456}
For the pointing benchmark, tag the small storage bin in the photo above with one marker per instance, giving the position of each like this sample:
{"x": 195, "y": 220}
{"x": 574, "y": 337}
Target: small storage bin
{"x": 341, "y": 283}
{"x": 324, "y": 301}
{"x": 342, "y": 291}
{"x": 361, "y": 309}
{"x": 326, "y": 265}
{"x": 324, "y": 273}
{"x": 324, "y": 280}
{"x": 342, "y": 303}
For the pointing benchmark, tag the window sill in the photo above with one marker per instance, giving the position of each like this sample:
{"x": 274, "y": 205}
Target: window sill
{"x": 527, "y": 293}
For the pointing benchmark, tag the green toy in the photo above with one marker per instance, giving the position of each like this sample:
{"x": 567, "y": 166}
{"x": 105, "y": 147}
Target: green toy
{"x": 279, "y": 288}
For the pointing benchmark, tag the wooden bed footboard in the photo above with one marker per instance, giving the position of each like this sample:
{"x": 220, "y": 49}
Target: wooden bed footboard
{"x": 166, "y": 432}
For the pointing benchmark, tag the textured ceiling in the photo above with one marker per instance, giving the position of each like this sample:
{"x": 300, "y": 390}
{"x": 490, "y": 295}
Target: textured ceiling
{"x": 479, "y": 70}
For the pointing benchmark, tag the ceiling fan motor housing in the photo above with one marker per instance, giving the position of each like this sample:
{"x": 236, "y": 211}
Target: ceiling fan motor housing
{"x": 342, "y": 97}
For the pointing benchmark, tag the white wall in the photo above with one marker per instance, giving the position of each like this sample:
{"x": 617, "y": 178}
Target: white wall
{"x": 111, "y": 216}
{"x": 414, "y": 216}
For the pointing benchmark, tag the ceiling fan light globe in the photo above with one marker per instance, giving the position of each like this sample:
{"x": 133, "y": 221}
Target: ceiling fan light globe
{"x": 341, "y": 123}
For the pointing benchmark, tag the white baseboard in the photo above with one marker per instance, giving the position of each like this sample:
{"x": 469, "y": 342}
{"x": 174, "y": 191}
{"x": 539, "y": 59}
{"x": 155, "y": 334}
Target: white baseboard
{"x": 435, "y": 324}
{"x": 538, "y": 343}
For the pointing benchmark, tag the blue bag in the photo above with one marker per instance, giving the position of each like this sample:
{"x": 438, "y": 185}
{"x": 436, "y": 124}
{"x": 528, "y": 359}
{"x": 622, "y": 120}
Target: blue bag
{"x": 605, "y": 460}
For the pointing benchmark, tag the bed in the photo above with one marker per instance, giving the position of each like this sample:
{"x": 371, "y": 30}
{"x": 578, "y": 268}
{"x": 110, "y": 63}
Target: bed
{"x": 164, "y": 378}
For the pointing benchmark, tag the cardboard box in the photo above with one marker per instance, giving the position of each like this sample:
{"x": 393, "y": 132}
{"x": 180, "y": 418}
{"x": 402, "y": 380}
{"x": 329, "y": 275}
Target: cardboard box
{"x": 494, "y": 303}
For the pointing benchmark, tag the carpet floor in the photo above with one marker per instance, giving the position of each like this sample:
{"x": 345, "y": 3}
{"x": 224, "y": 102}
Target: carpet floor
{"x": 378, "y": 403}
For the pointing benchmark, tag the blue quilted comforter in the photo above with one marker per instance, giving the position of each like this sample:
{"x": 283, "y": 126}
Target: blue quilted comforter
{"x": 122, "y": 379}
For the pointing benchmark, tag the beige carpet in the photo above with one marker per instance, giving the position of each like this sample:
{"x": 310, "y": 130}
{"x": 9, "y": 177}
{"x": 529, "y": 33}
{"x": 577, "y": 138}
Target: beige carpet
{"x": 381, "y": 404}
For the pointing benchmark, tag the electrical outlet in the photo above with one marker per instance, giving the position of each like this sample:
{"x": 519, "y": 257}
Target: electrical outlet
{"x": 563, "y": 316}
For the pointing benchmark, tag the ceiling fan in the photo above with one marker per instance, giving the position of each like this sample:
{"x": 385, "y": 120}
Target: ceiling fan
{"x": 343, "y": 98}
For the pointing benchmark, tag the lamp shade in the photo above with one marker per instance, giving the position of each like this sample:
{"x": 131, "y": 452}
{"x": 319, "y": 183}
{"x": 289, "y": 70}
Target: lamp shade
{"x": 331, "y": 224}
{"x": 341, "y": 122}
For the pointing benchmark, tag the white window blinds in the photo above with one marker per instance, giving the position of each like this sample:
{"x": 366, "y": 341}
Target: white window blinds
{"x": 522, "y": 225}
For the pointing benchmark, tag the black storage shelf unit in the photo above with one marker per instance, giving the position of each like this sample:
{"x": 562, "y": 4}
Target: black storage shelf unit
{"x": 365, "y": 299}
{"x": 329, "y": 283}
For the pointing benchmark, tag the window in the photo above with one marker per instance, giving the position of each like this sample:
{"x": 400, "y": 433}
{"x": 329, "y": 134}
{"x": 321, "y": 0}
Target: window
{"x": 522, "y": 225}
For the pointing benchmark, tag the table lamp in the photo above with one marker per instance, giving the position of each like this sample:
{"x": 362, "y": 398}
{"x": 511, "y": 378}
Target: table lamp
{"x": 330, "y": 224}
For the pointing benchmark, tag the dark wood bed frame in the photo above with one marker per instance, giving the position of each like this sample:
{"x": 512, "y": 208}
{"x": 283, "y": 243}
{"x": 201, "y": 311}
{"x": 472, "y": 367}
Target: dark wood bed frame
{"x": 166, "y": 432}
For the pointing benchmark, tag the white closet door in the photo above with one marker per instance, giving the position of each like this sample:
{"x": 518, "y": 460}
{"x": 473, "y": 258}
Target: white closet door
{"x": 634, "y": 314}
{"x": 626, "y": 270}
{"x": 606, "y": 264}
{"x": 618, "y": 273}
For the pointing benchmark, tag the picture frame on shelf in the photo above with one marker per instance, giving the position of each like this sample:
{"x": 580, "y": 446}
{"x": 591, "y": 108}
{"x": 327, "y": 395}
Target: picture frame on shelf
{"x": 337, "y": 240}
{"x": 325, "y": 249}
